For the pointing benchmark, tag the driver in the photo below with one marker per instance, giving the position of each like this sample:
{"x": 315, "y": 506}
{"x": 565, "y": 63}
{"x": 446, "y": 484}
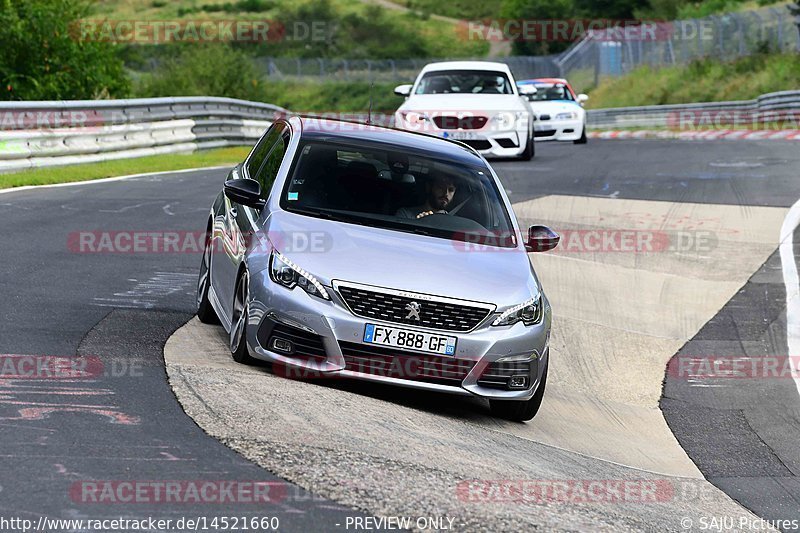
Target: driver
{"x": 440, "y": 192}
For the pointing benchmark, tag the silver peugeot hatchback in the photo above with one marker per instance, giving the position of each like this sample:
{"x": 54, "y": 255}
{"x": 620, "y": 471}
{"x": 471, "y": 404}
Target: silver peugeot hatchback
{"x": 339, "y": 249}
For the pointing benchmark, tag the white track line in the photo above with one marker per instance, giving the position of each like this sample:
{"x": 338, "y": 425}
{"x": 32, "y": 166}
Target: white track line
{"x": 116, "y": 178}
{"x": 792, "y": 282}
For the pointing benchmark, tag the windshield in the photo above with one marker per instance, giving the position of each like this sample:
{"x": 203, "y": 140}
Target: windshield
{"x": 551, "y": 91}
{"x": 464, "y": 81}
{"x": 387, "y": 186}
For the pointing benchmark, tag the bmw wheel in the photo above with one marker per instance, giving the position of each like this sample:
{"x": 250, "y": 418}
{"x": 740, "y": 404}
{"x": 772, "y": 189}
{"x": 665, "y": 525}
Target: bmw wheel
{"x": 530, "y": 150}
{"x": 520, "y": 411}
{"x": 583, "y": 138}
{"x": 238, "y": 340}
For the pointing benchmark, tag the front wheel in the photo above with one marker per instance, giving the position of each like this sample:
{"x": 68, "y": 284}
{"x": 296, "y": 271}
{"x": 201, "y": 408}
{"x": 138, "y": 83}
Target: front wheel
{"x": 520, "y": 411}
{"x": 529, "y": 151}
{"x": 238, "y": 339}
{"x": 583, "y": 138}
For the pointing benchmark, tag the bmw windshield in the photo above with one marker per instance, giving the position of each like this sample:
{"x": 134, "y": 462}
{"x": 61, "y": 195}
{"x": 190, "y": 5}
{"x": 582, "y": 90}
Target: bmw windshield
{"x": 391, "y": 187}
{"x": 464, "y": 81}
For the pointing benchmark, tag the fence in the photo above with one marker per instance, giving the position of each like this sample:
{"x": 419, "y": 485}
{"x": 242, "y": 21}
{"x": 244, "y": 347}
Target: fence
{"x": 765, "y": 109}
{"x": 388, "y": 70}
{"x": 41, "y": 134}
{"x": 602, "y": 53}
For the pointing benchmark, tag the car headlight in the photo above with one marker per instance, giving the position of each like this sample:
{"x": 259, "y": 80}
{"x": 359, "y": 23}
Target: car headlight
{"x": 413, "y": 117}
{"x": 572, "y": 115}
{"x": 284, "y": 271}
{"x": 529, "y": 313}
{"x": 506, "y": 119}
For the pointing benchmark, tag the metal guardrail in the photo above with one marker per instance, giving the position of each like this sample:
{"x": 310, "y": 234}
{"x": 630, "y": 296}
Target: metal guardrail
{"x": 762, "y": 109}
{"x": 42, "y": 134}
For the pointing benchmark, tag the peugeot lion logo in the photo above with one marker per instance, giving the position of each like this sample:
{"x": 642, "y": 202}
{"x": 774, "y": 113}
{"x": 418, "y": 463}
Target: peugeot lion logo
{"x": 413, "y": 311}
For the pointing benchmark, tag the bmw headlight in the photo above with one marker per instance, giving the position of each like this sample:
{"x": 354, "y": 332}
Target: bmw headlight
{"x": 506, "y": 119}
{"x": 414, "y": 117}
{"x": 572, "y": 115}
{"x": 529, "y": 313}
{"x": 284, "y": 271}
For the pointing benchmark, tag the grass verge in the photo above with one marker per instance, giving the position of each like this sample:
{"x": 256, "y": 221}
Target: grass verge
{"x": 123, "y": 167}
{"x": 701, "y": 81}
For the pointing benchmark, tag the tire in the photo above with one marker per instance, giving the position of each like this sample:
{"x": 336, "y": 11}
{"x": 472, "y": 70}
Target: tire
{"x": 205, "y": 311}
{"x": 583, "y": 139}
{"x": 529, "y": 151}
{"x": 520, "y": 411}
{"x": 238, "y": 337}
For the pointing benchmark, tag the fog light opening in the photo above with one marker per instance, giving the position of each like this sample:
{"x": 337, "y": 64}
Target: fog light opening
{"x": 282, "y": 345}
{"x": 518, "y": 382}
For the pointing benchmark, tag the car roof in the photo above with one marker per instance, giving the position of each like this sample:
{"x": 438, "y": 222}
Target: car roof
{"x": 467, "y": 65}
{"x": 320, "y": 128}
{"x": 543, "y": 80}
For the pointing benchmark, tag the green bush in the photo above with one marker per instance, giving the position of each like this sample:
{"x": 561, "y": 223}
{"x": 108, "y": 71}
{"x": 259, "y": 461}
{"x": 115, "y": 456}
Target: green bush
{"x": 44, "y": 58}
{"x": 202, "y": 70}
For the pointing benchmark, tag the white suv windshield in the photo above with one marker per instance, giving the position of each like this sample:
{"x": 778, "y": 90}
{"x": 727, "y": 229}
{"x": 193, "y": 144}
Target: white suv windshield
{"x": 464, "y": 81}
{"x": 388, "y": 186}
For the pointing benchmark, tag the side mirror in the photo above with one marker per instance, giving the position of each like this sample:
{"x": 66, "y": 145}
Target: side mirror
{"x": 541, "y": 239}
{"x": 582, "y": 98}
{"x": 527, "y": 90}
{"x": 245, "y": 192}
{"x": 402, "y": 90}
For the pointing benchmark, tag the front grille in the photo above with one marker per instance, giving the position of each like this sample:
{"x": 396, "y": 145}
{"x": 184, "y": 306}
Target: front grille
{"x": 307, "y": 345}
{"x": 497, "y": 374}
{"x": 395, "y": 308}
{"x": 544, "y": 117}
{"x": 544, "y": 133}
{"x": 464, "y": 123}
{"x": 478, "y": 145}
{"x": 389, "y": 362}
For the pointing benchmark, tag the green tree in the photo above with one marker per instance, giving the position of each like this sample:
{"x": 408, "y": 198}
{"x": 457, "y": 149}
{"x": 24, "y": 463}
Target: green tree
{"x": 43, "y": 58}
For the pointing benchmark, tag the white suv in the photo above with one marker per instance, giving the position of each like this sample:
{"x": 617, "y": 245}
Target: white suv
{"x": 475, "y": 102}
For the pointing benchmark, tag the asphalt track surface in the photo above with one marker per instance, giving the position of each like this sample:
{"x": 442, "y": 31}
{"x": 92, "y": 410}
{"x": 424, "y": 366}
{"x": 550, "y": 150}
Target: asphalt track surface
{"x": 123, "y": 307}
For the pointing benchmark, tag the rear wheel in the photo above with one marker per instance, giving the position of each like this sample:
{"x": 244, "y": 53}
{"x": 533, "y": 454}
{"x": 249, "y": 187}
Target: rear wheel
{"x": 205, "y": 312}
{"x": 238, "y": 339}
{"x": 520, "y": 411}
{"x": 583, "y": 138}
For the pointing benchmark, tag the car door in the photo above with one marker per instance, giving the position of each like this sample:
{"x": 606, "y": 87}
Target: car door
{"x": 239, "y": 220}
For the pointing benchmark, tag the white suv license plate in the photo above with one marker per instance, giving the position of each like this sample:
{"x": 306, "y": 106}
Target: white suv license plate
{"x": 409, "y": 340}
{"x": 461, "y": 135}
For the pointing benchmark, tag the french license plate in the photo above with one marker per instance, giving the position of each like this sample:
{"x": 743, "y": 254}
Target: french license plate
{"x": 409, "y": 339}
{"x": 462, "y": 135}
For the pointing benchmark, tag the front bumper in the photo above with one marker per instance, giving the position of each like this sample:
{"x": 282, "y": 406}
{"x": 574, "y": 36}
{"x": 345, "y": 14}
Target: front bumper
{"x": 488, "y": 141}
{"x": 557, "y": 130}
{"x": 335, "y": 325}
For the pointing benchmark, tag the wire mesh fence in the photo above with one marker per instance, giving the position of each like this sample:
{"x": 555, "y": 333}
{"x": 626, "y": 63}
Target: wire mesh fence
{"x": 388, "y": 70}
{"x": 606, "y": 53}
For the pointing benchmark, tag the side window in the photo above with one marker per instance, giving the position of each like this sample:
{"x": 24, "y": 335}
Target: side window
{"x": 262, "y": 149}
{"x": 269, "y": 170}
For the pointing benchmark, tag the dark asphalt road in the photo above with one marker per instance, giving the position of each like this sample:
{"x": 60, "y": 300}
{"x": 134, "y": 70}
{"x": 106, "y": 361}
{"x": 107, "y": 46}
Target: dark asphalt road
{"x": 122, "y": 307}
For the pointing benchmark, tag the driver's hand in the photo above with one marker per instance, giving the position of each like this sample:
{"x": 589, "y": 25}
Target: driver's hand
{"x": 424, "y": 214}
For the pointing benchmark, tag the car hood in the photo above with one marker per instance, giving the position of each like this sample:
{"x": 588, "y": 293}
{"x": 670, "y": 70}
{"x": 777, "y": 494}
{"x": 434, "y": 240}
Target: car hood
{"x": 403, "y": 261}
{"x": 463, "y": 102}
{"x": 553, "y": 107}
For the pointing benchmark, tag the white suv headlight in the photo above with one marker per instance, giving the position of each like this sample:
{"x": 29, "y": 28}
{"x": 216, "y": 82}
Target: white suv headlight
{"x": 572, "y": 115}
{"x": 507, "y": 119}
{"x": 529, "y": 313}
{"x": 284, "y": 271}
